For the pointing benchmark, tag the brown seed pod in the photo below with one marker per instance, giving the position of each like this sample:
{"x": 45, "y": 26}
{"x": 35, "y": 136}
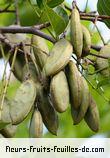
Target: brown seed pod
{"x": 36, "y": 125}
{"x": 59, "y": 57}
{"x": 59, "y": 92}
{"x": 92, "y": 115}
{"x": 47, "y": 111}
{"x": 40, "y": 50}
{"x": 9, "y": 131}
{"x": 76, "y": 32}
{"x": 23, "y": 102}
{"x": 103, "y": 64}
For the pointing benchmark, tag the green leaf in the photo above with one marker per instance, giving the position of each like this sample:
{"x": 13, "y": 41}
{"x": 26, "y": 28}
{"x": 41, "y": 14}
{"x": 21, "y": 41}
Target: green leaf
{"x": 28, "y": 13}
{"x": 62, "y": 12}
{"x": 10, "y": 1}
{"x": 57, "y": 22}
{"x": 41, "y": 3}
{"x": 6, "y": 1}
{"x": 103, "y": 82}
{"x": 54, "y": 3}
{"x": 103, "y": 7}
{"x": 50, "y": 3}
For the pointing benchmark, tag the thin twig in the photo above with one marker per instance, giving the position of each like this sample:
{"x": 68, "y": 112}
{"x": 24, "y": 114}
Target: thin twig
{"x": 6, "y": 10}
{"x": 4, "y": 75}
{"x": 17, "y": 22}
{"x": 89, "y": 18}
{"x": 92, "y": 19}
{"x": 86, "y": 5}
{"x": 7, "y": 82}
{"x": 5, "y": 66}
{"x": 99, "y": 56}
{"x": 95, "y": 88}
{"x": 33, "y": 60}
{"x": 2, "y": 51}
{"x": 98, "y": 71}
{"x": 34, "y": 46}
{"x": 26, "y": 58}
{"x": 100, "y": 34}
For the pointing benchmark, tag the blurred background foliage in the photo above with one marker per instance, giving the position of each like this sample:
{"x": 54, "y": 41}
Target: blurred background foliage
{"x": 29, "y": 17}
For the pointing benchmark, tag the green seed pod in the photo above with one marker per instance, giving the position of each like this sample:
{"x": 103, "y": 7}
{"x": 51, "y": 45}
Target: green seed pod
{"x": 1, "y": 136}
{"x": 40, "y": 50}
{"x": 75, "y": 84}
{"x": 79, "y": 114}
{"x": 5, "y": 114}
{"x": 18, "y": 65}
{"x": 92, "y": 116}
{"x": 20, "y": 57}
{"x": 104, "y": 64}
{"x": 15, "y": 38}
{"x": 36, "y": 125}
{"x": 47, "y": 111}
{"x": 29, "y": 71}
{"x": 86, "y": 41}
{"x": 9, "y": 131}
{"x": 76, "y": 32}
{"x": 23, "y": 102}
{"x": 59, "y": 57}
{"x": 59, "y": 91}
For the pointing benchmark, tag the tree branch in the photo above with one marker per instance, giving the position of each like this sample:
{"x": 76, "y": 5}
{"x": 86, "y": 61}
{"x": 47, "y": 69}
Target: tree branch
{"x": 90, "y": 16}
{"x": 42, "y": 26}
{"x": 28, "y": 30}
{"x": 4, "y": 40}
{"x": 103, "y": 17}
{"x": 33, "y": 30}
